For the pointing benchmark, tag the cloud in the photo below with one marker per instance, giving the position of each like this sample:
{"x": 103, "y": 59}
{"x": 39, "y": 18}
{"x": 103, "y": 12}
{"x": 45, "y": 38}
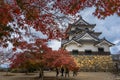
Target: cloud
{"x": 116, "y": 42}
{"x": 5, "y": 65}
{"x": 38, "y": 34}
{"x": 115, "y": 49}
{"x": 54, "y": 44}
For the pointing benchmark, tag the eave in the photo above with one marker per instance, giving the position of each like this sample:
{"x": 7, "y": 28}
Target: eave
{"x": 105, "y": 41}
{"x": 81, "y": 36}
{"x": 72, "y": 41}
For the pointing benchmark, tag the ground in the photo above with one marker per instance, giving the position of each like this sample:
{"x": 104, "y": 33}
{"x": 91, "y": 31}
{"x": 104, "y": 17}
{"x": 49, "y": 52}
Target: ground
{"x": 49, "y": 75}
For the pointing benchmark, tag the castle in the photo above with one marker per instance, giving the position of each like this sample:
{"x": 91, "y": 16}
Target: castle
{"x": 91, "y": 51}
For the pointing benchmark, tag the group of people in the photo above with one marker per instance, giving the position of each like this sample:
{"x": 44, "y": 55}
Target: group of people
{"x": 64, "y": 72}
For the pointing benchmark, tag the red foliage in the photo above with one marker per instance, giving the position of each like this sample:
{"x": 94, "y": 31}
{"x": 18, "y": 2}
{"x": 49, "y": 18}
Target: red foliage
{"x": 5, "y": 15}
{"x": 104, "y": 8}
{"x": 60, "y": 58}
{"x": 40, "y": 14}
{"x": 16, "y": 11}
{"x": 31, "y": 52}
{"x": 39, "y": 54}
{"x": 43, "y": 15}
{"x": 14, "y": 49}
{"x": 18, "y": 60}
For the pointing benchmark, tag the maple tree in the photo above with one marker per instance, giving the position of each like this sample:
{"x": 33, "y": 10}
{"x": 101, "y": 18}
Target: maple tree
{"x": 33, "y": 54}
{"x": 23, "y": 61}
{"x": 39, "y": 56}
{"x": 60, "y": 58}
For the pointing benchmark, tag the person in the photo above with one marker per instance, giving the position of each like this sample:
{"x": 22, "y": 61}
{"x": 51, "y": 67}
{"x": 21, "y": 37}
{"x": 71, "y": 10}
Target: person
{"x": 62, "y": 71}
{"x": 75, "y": 71}
{"x": 57, "y": 72}
{"x": 67, "y": 72}
{"x": 116, "y": 67}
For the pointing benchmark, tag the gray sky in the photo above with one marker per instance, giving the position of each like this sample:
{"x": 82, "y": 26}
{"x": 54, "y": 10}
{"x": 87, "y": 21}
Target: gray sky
{"x": 110, "y": 28}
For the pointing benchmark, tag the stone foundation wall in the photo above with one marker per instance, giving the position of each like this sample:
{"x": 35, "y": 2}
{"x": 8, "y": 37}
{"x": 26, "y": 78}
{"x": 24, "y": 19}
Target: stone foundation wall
{"x": 95, "y": 62}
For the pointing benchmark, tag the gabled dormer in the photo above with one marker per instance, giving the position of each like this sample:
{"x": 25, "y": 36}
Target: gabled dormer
{"x": 81, "y": 23}
{"x": 86, "y": 36}
{"x": 104, "y": 42}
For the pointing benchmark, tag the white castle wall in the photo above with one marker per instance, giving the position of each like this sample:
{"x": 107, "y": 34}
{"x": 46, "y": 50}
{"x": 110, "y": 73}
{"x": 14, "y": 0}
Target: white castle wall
{"x": 86, "y": 46}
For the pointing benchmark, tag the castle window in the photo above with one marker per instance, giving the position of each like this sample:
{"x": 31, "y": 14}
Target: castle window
{"x": 86, "y": 29}
{"x": 100, "y": 49}
{"x": 88, "y": 52}
{"x": 75, "y": 52}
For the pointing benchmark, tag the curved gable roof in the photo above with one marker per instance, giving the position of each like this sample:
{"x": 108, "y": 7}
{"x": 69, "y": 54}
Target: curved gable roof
{"x": 103, "y": 41}
{"x": 72, "y": 41}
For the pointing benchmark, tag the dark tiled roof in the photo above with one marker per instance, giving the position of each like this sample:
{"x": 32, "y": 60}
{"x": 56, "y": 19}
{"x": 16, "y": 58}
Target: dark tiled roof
{"x": 76, "y": 38}
{"x": 79, "y": 36}
{"x": 81, "y": 21}
{"x": 67, "y": 41}
{"x": 64, "y": 41}
{"x": 80, "y": 30}
{"x": 104, "y": 39}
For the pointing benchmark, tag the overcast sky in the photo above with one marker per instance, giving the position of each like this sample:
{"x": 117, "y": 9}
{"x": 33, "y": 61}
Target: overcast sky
{"x": 110, "y": 28}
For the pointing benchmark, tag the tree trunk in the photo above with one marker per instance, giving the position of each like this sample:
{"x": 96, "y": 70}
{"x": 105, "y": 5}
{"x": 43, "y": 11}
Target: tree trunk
{"x": 41, "y": 73}
{"x": 7, "y": 71}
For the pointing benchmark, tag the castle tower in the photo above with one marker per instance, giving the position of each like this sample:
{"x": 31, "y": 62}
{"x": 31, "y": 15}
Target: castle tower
{"x": 83, "y": 40}
{"x": 91, "y": 52}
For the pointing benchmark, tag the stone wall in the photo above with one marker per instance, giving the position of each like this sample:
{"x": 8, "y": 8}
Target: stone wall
{"x": 95, "y": 62}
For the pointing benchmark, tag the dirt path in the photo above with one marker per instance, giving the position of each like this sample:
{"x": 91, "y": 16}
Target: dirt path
{"x": 81, "y": 76}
